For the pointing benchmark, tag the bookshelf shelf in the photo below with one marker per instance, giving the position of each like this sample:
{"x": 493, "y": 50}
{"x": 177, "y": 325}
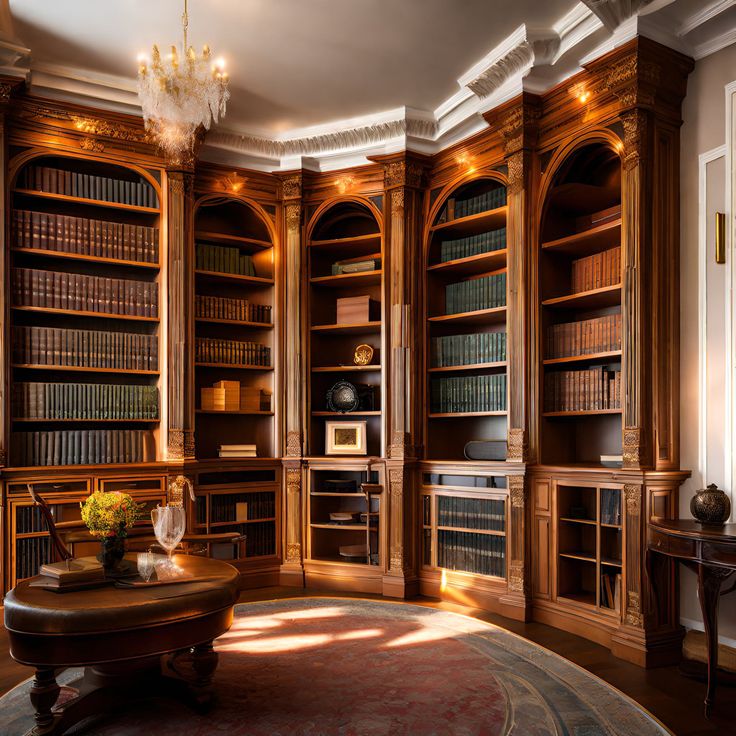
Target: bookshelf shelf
{"x": 361, "y": 328}
{"x": 61, "y": 255}
{"x": 606, "y": 296}
{"x": 494, "y": 315}
{"x": 592, "y": 240}
{"x": 117, "y": 420}
{"x": 234, "y": 366}
{"x": 339, "y": 527}
{"x": 85, "y": 201}
{"x": 83, "y": 369}
{"x": 469, "y": 367}
{"x": 582, "y": 556}
{"x": 346, "y": 415}
{"x": 251, "y": 244}
{"x": 472, "y": 224}
{"x": 349, "y": 280}
{"x": 455, "y": 414}
{"x": 595, "y": 357}
{"x": 255, "y": 281}
{"x": 338, "y": 495}
{"x": 473, "y": 264}
{"x": 242, "y": 412}
{"x": 235, "y": 323}
{"x": 589, "y": 413}
{"x": 345, "y": 368}
{"x": 83, "y": 313}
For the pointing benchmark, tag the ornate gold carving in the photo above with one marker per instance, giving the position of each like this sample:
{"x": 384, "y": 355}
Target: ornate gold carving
{"x": 293, "y": 552}
{"x": 632, "y": 497}
{"x": 291, "y": 187}
{"x": 293, "y": 480}
{"x": 402, "y": 174}
{"x": 397, "y": 449}
{"x": 396, "y": 482}
{"x": 517, "y": 490}
{"x": 176, "y": 184}
{"x": 91, "y": 144}
{"x": 293, "y": 216}
{"x": 179, "y": 488}
{"x": 397, "y": 200}
{"x": 5, "y": 91}
{"x": 516, "y": 172}
{"x": 517, "y": 447}
{"x": 633, "y": 610}
{"x": 634, "y": 123}
{"x": 293, "y": 443}
{"x": 632, "y": 447}
{"x": 119, "y": 131}
{"x": 181, "y": 444}
{"x": 517, "y": 579}
{"x": 630, "y": 70}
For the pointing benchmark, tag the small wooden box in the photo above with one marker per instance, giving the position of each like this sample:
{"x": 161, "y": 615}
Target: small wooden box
{"x": 353, "y": 310}
{"x": 231, "y": 391}
{"x": 221, "y": 398}
{"x": 254, "y": 399}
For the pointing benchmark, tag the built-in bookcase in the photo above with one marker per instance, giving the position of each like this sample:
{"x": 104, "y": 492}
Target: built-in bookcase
{"x": 466, "y": 319}
{"x": 580, "y": 295}
{"x": 84, "y": 242}
{"x": 234, "y": 327}
{"x": 345, "y": 257}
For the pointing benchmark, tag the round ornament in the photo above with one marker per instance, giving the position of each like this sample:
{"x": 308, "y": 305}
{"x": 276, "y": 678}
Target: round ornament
{"x": 363, "y": 355}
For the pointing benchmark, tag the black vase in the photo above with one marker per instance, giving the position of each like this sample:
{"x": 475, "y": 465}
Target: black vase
{"x": 112, "y": 552}
{"x": 710, "y": 505}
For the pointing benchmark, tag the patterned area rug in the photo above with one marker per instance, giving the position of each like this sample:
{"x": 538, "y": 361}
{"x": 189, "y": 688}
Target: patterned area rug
{"x": 369, "y": 668}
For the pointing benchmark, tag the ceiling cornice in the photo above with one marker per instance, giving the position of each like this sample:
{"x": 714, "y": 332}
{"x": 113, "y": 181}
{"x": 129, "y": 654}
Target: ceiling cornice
{"x": 528, "y": 59}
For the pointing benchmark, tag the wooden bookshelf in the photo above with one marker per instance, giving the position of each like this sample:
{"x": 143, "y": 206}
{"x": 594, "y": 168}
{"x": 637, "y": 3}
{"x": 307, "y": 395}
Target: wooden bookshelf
{"x": 72, "y": 255}
{"x": 466, "y": 318}
{"x": 345, "y": 231}
{"x": 234, "y": 255}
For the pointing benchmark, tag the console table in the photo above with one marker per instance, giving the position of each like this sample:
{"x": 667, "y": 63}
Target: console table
{"x": 132, "y": 642}
{"x": 711, "y": 552}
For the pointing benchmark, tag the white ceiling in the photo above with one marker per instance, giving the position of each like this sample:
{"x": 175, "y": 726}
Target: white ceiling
{"x": 334, "y": 80}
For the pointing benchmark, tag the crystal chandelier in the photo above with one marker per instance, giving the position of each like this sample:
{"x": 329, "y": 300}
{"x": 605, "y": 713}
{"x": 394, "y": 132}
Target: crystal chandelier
{"x": 181, "y": 92}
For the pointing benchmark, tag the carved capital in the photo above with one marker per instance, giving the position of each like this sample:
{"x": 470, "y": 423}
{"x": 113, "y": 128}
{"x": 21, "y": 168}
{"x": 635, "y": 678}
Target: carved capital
{"x": 397, "y": 201}
{"x": 293, "y": 444}
{"x": 517, "y": 491}
{"x": 516, "y": 173}
{"x": 517, "y": 448}
{"x": 181, "y": 444}
{"x": 293, "y": 480}
{"x": 291, "y": 187}
{"x": 633, "y": 610}
{"x": 633, "y": 80}
{"x": 517, "y": 578}
{"x": 402, "y": 174}
{"x": 632, "y": 498}
{"x": 293, "y": 217}
{"x": 108, "y": 129}
{"x": 632, "y": 449}
{"x": 293, "y": 552}
{"x": 396, "y": 482}
{"x": 634, "y": 123}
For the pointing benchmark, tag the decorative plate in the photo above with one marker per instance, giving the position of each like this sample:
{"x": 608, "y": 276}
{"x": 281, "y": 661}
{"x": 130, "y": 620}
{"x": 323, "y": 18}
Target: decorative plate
{"x": 363, "y": 355}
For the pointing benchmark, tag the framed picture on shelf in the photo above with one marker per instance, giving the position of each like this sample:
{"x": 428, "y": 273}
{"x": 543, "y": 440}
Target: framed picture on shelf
{"x": 345, "y": 438}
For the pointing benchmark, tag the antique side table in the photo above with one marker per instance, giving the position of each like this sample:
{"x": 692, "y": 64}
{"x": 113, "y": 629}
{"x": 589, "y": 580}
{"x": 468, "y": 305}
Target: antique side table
{"x": 132, "y": 642}
{"x": 711, "y": 552}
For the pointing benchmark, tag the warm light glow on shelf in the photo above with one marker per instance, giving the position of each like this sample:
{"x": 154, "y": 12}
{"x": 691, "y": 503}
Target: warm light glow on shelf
{"x": 465, "y": 161}
{"x": 344, "y": 184}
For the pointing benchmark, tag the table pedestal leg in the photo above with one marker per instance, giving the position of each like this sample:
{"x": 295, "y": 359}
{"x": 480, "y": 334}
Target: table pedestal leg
{"x": 44, "y": 693}
{"x": 204, "y": 662}
{"x": 709, "y": 590}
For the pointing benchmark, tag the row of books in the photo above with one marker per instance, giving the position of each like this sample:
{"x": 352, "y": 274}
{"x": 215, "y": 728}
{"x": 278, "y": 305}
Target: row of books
{"x": 88, "y": 186}
{"x": 469, "y": 394}
{"x": 596, "y": 271}
{"x": 260, "y": 541}
{"x": 242, "y": 507}
{"x": 593, "y": 389}
{"x": 224, "y": 259}
{"x": 84, "y": 447}
{"x": 471, "y": 513}
{"x": 62, "y": 347}
{"x": 30, "y": 554}
{"x": 28, "y": 519}
{"x": 84, "y": 401}
{"x": 242, "y": 310}
{"x": 85, "y": 237}
{"x": 234, "y": 352}
{"x": 79, "y": 292}
{"x": 473, "y": 245}
{"x": 485, "y": 292}
{"x": 474, "y": 205}
{"x": 586, "y": 337}
{"x": 481, "y": 347}
{"x": 484, "y": 554}
{"x": 611, "y": 591}
{"x": 610, "y": 506}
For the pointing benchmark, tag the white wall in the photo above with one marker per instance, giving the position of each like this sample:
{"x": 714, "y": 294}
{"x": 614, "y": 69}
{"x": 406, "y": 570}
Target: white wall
{"x": 705, "y": 305}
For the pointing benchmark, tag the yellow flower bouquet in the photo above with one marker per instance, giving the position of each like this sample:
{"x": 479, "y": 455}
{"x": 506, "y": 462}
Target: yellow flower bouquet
{"x": 110, "y": 513}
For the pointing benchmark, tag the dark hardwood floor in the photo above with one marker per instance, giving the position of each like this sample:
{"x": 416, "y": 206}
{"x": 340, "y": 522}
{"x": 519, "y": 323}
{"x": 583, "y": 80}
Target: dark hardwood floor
{"x": 677, "y": 701}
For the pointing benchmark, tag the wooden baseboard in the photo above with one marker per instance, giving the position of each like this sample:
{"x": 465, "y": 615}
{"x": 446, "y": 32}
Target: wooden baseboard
{"x": 694, "y": 649}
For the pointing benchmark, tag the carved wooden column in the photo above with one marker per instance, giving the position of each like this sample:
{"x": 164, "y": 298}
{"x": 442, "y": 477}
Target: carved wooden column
{"x": 402, "y": 181}
{"x": 180, "y": 315}
{"x": 292, "y": 572}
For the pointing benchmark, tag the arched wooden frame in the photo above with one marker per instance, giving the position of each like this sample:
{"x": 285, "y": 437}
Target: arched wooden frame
{"x": 26, "y": 157}
{"x": 215, "y": 198}
{"x": 328, "y": 204}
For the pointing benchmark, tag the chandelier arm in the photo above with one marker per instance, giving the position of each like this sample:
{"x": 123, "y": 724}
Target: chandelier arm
{"x": 185, "y": 25}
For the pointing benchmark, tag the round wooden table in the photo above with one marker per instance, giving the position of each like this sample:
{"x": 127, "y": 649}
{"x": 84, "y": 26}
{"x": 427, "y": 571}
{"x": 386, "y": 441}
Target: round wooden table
{"x": 132, "y": 642}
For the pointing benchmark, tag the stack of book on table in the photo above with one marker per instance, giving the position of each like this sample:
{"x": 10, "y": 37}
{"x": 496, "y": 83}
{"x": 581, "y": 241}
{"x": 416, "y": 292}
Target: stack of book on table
{"x": 71, "y": 574}
{"x": 237, "y": 451}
